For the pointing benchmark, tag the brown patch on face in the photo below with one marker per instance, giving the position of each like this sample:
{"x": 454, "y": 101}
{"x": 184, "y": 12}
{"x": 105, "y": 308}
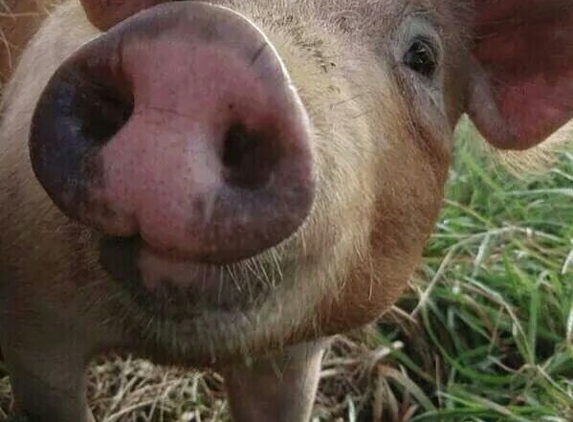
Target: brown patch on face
{"x": 406, "y": 207}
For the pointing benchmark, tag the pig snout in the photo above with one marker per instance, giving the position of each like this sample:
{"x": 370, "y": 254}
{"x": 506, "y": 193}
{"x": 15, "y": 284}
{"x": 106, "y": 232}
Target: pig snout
{"x": 179, "y": 126}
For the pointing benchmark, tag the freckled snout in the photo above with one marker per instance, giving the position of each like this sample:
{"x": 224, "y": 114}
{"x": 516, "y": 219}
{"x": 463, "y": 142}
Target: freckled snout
{"x": 181, "y": 126}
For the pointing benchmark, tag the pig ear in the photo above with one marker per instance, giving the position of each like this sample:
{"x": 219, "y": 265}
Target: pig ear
{"x": 521, "y": 87}
{"x": 106, "y": 13}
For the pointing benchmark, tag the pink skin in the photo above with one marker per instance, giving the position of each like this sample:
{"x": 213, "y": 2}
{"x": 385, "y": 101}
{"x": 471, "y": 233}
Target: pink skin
{"x": 526, "y": 49}
{"x": 167, "y": 157}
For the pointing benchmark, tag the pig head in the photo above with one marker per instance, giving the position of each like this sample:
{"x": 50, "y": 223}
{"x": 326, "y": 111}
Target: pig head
{"x": 226, "y": 184}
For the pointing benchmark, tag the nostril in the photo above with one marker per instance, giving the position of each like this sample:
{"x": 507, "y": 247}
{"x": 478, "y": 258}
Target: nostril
{"x": 239, "y": 147}
{"x": 109, "y": 113}
{"x": 83, "y": 106}
{"x": 101, "y": 109}
{"x": 248, "y": 157}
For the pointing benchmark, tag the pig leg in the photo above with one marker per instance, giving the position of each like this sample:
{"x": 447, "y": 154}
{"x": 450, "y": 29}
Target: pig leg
{"x": 47, "y": 373}
{"x": 280, "y": 389}
{"x": 53, "y": 393}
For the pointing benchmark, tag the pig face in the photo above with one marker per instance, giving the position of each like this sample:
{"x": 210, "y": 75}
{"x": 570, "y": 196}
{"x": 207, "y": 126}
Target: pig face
{"x": 232, "y": 176}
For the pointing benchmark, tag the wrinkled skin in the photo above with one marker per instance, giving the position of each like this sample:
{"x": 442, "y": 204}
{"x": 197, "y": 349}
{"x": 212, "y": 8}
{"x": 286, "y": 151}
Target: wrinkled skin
{"x": 377, "y": 128}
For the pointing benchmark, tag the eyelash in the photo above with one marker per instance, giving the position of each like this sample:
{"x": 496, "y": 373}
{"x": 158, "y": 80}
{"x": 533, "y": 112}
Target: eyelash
{"x": 422, "y": 57}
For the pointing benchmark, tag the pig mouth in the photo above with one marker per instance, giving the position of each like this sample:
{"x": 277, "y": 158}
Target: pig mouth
{"x": 171, "y": 288}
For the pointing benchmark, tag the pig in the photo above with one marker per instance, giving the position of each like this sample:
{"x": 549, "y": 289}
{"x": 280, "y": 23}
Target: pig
{"x": 228, "y": 184}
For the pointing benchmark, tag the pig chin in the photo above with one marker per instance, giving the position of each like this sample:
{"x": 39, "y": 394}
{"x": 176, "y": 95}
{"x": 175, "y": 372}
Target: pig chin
{"x": 174, "y": 289}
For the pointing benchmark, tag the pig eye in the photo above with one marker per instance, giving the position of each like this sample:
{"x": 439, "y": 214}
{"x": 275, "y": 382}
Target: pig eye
{"x": 421, "y": 57}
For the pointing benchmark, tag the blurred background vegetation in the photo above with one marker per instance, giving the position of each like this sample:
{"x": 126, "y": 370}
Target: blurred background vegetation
{"x": 484, "y": 333}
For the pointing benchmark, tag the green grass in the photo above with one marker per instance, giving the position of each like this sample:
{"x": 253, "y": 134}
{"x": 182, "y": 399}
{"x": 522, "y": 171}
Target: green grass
{"x": 486, "y": 331}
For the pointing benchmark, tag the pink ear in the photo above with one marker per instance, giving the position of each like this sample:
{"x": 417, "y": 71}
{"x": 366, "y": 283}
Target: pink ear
{"x": 106, "y": 13}
{"x": 522, "y": 90}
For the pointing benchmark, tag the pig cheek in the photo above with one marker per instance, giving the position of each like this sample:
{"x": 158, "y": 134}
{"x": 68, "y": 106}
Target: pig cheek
{"x": 401, "y": 226}
{"x": 373, "y": 287}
